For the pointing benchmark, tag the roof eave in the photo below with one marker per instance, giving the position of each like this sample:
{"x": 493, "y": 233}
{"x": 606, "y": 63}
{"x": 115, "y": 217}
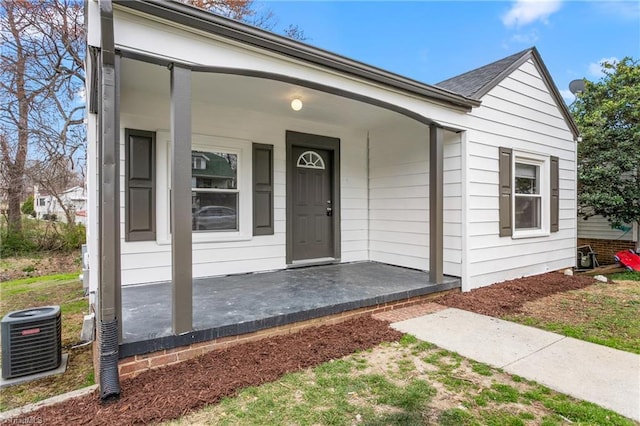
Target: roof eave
{"x": 237, "y": 31}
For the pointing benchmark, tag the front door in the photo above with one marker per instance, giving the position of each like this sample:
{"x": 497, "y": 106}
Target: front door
{"x": 312, "y": 203}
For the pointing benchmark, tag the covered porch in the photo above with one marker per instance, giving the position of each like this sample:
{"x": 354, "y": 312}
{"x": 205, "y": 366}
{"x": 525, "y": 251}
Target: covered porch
{"x": 393, "y": 175}
{"x": 246, "y": 303}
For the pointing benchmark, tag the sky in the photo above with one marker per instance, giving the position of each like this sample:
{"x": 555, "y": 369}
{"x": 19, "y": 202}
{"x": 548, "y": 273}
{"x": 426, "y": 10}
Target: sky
{"x": 431, "y": 41}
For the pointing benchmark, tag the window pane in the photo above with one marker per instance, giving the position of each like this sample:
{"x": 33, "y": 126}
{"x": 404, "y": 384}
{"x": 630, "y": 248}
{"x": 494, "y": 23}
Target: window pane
{"x": 214, "y": 211}
{"x": 214, "y": 170}
{"x": 527, "y": 179}
{"x": 528, "y": 212}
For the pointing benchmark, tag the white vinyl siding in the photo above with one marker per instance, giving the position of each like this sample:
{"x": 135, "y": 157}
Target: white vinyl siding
{"x": 353, "y": 194}
{"x": 399, "y": 197}
{"x": 519, "y": 113}
{"x": 452, "y": 205}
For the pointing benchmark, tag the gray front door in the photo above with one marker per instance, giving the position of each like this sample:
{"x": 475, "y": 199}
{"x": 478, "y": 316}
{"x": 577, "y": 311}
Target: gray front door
{"x": 312, "y": 204}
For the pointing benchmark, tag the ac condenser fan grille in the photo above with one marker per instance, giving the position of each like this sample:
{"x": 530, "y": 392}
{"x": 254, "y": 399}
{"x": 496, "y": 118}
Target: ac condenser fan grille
{"x": 31, "y": 341}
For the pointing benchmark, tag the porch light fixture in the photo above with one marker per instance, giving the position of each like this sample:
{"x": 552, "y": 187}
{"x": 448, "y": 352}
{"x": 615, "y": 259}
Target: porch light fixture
{"x": 296, "y": 104}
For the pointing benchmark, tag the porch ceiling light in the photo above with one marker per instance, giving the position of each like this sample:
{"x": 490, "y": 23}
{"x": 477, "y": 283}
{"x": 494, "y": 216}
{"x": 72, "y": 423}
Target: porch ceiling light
{"x": 296, "y": 104}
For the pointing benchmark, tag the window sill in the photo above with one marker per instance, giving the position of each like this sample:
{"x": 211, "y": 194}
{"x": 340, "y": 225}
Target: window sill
{"x": 211, "y": 239}
{"x": 537, "y": 233}
{"x": 223, "y": 237}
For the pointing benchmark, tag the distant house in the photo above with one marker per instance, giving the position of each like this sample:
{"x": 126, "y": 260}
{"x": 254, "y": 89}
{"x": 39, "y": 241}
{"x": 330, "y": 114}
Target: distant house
{"x": 48, "y": 207}
{"x": 214, "y": 210}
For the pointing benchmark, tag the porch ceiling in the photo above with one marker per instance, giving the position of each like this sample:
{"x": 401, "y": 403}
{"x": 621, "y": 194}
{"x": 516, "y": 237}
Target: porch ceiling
{"x": 260, "y": 95}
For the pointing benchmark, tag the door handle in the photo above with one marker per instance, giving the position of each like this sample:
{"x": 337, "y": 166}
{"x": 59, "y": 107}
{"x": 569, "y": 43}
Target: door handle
{"x": 329, "y": 211}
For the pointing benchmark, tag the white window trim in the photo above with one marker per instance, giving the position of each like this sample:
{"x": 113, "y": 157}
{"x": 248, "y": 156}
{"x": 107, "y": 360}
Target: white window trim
{"x": 241, "y": 147}
{"x": 543, "y": 162}
{"x": 197, "y": 162}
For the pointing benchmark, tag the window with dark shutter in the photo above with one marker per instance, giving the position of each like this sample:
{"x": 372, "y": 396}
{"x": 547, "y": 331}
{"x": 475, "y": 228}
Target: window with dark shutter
{"x": 140, "y": 202}
{"x": 555, "y": 194}
{"x": 262, "y": 189}
{"x": 505, "y": 182}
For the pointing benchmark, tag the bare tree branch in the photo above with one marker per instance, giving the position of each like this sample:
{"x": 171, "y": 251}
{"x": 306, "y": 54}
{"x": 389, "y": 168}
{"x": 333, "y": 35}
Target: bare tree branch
{"x": 41, "y": 78}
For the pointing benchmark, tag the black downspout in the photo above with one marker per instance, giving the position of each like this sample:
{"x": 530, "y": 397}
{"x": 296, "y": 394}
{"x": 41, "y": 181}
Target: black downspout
{"x": 109, "y": 212}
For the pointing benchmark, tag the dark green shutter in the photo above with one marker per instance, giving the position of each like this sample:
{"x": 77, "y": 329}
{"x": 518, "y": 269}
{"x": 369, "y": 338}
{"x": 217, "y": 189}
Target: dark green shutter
{"x": 94, "y": 86}
{"x": 555, "y": 194}
{"x": 505, "y": 183}
{"x": 262, "y": 189}
{"x": 140, "y": 176}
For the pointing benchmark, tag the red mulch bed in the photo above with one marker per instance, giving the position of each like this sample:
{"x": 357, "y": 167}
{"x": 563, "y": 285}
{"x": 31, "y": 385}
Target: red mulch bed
{"x": 170, "y": 392}
{"x": 508, "y": 297}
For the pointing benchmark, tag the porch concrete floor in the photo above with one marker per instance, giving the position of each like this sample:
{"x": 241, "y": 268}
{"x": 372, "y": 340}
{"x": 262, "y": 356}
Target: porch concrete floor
{"x": 237, "y": 304}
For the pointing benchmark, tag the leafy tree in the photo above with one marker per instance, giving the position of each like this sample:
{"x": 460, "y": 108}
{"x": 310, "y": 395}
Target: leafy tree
{"x": 608, "y": 115}
{"x": 27, "y": 206}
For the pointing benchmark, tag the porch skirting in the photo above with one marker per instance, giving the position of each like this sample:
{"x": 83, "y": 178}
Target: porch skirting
{"x": 136, "y": 364}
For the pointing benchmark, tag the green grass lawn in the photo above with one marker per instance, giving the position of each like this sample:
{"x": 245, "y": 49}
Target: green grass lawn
{"x": 405, "y": 383}
{"x": 625, "y": 276}
{"x": 64, "y": 290}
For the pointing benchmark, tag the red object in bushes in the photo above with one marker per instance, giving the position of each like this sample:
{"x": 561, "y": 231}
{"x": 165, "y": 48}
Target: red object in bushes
{"x": 629, "y": 259}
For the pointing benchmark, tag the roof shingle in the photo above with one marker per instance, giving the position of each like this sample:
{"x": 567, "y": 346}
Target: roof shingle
{"x": 472, "y": 84}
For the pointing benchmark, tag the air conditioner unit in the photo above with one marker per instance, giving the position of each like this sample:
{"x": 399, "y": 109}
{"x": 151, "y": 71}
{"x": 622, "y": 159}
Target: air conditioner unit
{"x": 31, "y": 341}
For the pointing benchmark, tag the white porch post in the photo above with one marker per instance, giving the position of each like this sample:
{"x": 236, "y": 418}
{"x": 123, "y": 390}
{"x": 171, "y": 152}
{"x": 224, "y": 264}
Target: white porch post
{"x": 436, "y": 202}
{"x": 181, "y": 256}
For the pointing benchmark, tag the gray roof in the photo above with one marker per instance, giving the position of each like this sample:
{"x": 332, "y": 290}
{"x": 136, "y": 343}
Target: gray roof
{"x": 475, "y": 83}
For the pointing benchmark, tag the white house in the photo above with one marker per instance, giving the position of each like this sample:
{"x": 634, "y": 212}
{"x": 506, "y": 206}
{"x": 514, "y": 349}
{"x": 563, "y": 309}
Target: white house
{"x": 47, "y": 206}
{"x": 218, "y": 148}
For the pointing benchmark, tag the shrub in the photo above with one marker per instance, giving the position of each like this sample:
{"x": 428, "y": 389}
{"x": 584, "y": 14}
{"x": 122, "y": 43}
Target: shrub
{"x": 27, "y": 206}
{"x": 14, "y": 244}
{"x": 40, "y": 236}
{"x": 74, "y": 236}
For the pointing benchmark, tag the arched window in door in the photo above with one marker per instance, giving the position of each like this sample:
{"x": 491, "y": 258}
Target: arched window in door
{"x": 310, "y": 160}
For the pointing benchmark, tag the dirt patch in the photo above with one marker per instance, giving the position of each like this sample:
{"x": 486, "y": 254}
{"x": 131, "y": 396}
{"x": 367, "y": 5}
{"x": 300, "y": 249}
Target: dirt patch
{"x": 172, "y": 391}
{"x": 509, "y": 297}
{"x": 13, "y": 268}
{"x": 578, "y": 307}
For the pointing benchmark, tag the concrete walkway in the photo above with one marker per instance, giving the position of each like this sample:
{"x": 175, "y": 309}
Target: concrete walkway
{"x": 607, "y": 377}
